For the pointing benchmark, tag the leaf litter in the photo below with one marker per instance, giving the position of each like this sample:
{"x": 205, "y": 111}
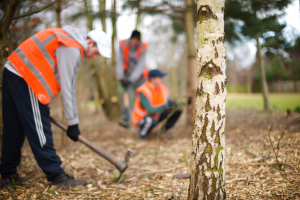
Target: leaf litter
{"x": 252, "y": 171}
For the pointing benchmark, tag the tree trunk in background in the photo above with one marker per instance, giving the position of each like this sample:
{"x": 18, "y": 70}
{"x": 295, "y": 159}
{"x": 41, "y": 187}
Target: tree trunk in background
{"x": 249, "y": 81}
{"x": 114, "y": 96}
{"x": 102, "y": 5}
{"x": 295, "y": 85}
{"x": 104, "y": 72}
{"x": 208, "y": 139}
{"x": 58, "y": 13}
{"x": 138, "y": 16}
{"x": 88, "y": 14}
{"x": 173, "y": 75}
{"x": 262, "y": 76}
{"x": 107, "y": 74}
{"x": 192, "y": 66}
{"x": 279, "y": 85}
{"x": 95, "y": 74}
{"x": 5, "y": 22}
{"x": 58, "y": 24}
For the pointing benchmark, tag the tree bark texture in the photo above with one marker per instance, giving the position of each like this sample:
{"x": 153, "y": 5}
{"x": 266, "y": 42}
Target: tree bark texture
{"x": 138, "y": 16}
{"x": 99, "y": 77}
{"x": 58, "y": 14}
{"x": 279, "y": 85}
{"x": 58, "y": 23}
{"x": 102, "y": 5}
{"x": 263, "y": 79}
{"x": 192, "y": 65}
{"x": 295, "y": 86}
{"x": 114, "y": 95}
{"x": 249, "y": 81}
{"x": 5, "y": 22}
{"x": 107, "y": 74}
{"x": 88, "y": 14}
{"x": 208, "y": 139}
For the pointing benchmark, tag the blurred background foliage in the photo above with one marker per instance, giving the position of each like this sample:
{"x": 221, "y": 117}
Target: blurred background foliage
{"x": 163, "y": 27}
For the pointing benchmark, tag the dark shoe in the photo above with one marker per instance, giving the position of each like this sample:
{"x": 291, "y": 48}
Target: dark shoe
{"x": 124, "y": 124}
{"x": 13, "y": 179}
{"x": 66, "y": 180}
{"x": 140, "y": 137}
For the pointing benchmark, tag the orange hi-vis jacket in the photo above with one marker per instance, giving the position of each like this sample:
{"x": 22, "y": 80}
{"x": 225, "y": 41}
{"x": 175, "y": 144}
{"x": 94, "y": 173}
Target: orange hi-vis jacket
{"x": 139, "y": 51}
{"x": 35, "y": 61}
{"x": 157, "y": 97}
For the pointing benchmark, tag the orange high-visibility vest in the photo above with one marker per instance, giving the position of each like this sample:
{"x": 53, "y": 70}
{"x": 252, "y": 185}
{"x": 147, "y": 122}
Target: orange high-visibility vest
{"x": 157, "y": 97}
{"x": 139, "y": 50}
{"x": 34, "y": 59}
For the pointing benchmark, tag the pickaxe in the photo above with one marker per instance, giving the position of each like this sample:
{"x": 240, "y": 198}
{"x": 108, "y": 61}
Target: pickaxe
{"x": 119, "y": 164}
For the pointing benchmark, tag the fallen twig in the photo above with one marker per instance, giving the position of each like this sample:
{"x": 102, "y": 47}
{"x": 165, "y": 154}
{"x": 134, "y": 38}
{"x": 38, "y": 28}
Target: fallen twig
{"x": 72, "y": 192}
{"x": 239, "y": 179}
{"x": 182, "y": 176}
{"x": 161, "y": 171}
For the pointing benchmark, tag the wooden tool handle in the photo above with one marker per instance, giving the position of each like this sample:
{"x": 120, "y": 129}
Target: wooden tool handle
{"x": 120, "y": 165}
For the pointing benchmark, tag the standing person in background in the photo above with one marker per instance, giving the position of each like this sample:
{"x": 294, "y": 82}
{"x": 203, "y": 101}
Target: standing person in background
{"x": 34, "y": 73}
{"x": 131, "y": 71}
{"x": 153, "y": 105}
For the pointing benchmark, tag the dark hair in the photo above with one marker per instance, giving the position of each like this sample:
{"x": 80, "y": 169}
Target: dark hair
{"x": 94, "y": 44}
{"x": 136, "y": 33}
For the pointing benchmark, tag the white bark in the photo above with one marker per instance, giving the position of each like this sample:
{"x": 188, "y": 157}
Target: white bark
{"x": 208, "y": 154}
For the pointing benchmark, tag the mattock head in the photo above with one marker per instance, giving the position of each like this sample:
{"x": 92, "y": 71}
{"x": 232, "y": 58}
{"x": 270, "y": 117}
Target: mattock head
{"x": 128, "y": 155}
{"x": 126, "y": 160}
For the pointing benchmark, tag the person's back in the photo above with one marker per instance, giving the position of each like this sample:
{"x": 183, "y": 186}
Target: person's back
{"x": 35, "y": 72}
{"x": 131, "y": 71}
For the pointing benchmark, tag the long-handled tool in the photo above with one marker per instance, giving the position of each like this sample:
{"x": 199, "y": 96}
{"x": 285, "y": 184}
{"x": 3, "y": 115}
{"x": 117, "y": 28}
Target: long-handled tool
{"x": 119, "y": 164}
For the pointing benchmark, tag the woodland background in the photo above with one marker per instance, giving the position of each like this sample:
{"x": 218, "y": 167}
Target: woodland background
{"x": 253, "y": 169}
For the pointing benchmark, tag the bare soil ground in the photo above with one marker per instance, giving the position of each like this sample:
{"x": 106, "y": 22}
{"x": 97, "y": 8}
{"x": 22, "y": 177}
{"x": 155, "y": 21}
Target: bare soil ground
{"x": 252, "y": 171}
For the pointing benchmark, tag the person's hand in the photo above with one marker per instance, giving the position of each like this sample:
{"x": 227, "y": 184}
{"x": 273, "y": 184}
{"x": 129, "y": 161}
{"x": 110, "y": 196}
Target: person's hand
{"x": 189, "y": 101}
{"x": 73, "y": 132}
{"x": 167, "y": 105}
{"x": 125, "y": 83}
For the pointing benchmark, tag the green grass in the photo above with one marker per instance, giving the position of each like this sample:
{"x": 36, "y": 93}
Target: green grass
{"x": 278, "y": 101}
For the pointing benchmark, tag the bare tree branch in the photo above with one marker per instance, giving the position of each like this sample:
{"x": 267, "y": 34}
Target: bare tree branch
{"x": 162, "y": 10}
{"x": 36, "y": 11}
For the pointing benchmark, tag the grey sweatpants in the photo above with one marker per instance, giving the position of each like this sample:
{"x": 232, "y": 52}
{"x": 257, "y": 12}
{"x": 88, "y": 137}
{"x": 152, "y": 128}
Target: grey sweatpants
{"x": 126, "y": 112}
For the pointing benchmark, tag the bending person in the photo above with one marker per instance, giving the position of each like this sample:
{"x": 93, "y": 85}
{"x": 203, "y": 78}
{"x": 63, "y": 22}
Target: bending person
{"x": 34, "y": 73}
{"x": 131, "y": 71}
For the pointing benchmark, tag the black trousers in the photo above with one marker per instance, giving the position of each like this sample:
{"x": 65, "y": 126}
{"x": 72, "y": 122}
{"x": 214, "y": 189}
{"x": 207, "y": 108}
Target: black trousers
{"x": 149, "y": 122}
{"x": 23, "y": 115}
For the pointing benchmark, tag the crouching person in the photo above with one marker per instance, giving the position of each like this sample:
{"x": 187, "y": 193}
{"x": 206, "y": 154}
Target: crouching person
{"x": 153, "y": 104}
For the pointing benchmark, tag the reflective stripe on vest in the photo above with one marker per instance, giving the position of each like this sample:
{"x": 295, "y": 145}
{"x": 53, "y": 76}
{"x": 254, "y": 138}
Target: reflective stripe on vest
{"x": 34, "y": 59}
{"x": 156, "y": 98}
{"x": 125, "y": 46}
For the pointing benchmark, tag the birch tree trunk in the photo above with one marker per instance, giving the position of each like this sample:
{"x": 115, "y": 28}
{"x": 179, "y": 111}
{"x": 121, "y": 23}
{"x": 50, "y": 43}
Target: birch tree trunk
{"x": 192, "y": 66}
{"x": 263, "y": 79}
{"x": 208, "y": 140}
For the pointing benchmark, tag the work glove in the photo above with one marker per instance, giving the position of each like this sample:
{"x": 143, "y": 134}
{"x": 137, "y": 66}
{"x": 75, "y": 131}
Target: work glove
{"x": 189, "y": 101}
{"x": 73, "y": 132}
{"x": 167, "y": 105}
{"x": 125, "y": 83}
